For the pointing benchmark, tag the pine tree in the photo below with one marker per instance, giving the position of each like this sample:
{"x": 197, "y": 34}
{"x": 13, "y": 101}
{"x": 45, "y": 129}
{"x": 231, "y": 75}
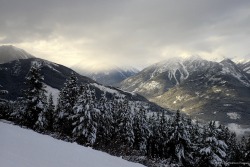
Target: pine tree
{"x": 179, "y": 144}
{"x": 153, "y": 142}
{"x": 4, "y": 105}
{"x": 105, "y": 122}
{"x": 164, "y": 132}
{"x": 126, "y": 133}
{"x": 247, "y": 151}
{"x": 34, "y": 98}
{"x": 141, "y": 131}
{"x": 235, "y": 151}
{"x": 50, "y": 113}
{"x": 213, "y": 151}
{"x": 86, "y": 116}
{"x": 67, "y": 100}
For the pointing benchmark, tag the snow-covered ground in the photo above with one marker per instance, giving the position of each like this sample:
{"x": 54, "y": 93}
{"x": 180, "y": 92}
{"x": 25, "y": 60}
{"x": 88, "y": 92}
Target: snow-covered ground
{"x": 26, "y": 148}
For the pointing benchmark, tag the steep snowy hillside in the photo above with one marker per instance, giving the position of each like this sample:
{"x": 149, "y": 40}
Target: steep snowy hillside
{"x": 203, "y": 89}
{"x": 105, "y": 73}
{"x": 245, "y": 66}
{"x": 10, "y": 53}
{"x": 13, "y": 75}
{"x": 26, "y": 148}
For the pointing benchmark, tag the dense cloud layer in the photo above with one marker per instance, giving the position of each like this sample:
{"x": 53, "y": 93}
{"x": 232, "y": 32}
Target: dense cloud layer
{"x": 135, "y": 32}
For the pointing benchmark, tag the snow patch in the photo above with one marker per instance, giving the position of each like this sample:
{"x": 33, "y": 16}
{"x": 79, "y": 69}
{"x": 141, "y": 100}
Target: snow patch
{"x": 227, "y": 105}
{"x": 106, "y": 89}
{"x": 151, "y": 85}
{"x": 233, "y": 115}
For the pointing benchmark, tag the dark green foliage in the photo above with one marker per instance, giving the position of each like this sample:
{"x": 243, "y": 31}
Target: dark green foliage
{"x": 141, "y": 131}
{"x": 247, "y": 151}
{"x": 85, "y": 117}
{"x": 34, "y": 101}
{"x": 66, "y": 102}
{"x": 50, "y": 113}
{"x": 4, "y": 105}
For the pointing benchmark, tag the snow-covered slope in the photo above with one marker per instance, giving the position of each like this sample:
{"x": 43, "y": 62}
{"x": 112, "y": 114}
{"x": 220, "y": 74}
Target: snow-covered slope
{"x": 105, "y": 73}
{"x": 26, "y": 148}
{"x": 13, "y": 75}
{"x": 245, "y": 66}
{"x": 10, "y": 53}
{"x": 230, "y": 68}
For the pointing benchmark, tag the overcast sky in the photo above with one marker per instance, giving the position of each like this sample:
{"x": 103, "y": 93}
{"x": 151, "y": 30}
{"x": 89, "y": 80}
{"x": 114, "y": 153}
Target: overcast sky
{"x": 126, "y": 32}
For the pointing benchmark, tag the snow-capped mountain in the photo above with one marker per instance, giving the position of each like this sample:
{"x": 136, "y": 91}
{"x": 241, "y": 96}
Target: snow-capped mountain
{"x": 105, "y": 73}
{"x": 203, "y": 89}
{"x": 10, "y": 53}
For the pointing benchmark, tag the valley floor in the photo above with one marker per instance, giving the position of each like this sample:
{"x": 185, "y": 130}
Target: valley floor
{"x": 25, "y": 148}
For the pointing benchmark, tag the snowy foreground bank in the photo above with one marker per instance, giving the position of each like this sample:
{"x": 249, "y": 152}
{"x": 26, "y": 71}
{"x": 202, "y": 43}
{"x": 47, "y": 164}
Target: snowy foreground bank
{"x": 26, "y": 148}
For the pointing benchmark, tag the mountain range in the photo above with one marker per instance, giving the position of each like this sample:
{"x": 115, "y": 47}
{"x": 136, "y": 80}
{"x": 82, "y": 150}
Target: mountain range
{"x": 205, "y": 90}
{"x": 105, "y": 73}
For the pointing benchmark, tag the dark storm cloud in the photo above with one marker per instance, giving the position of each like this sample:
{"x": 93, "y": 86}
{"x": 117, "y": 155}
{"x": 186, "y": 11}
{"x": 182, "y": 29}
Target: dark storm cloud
{"x": 133, "y": 30}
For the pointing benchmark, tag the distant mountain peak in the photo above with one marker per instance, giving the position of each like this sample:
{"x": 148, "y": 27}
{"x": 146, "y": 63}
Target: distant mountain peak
{"x": 9, "y": 53}
{"x": 227, "y": 60}
{"x": 194, "y": 57}
{"x": 104, "y": 72}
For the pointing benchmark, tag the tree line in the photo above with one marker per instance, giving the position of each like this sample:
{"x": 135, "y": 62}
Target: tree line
{"x": 122, "y": 127}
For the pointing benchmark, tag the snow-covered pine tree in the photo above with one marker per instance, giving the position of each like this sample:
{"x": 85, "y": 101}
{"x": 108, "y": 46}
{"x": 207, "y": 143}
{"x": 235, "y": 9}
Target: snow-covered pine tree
{"x": 153, "y": 140}
{"x": 104, "y": 123}
{"x": 213, "y": 151}
{"x": 50, "y": 113}
{"x": 195, "y": 132}
{"x": 247, "y": 151}
{"x": 85, "y": 117}
{"x": 4, "y": 105}
{"x": 67, "y": 100}
{"x": 178, "y": 144}
{"x": 35, "y": 100}
{"x": 164, "y": 132}
{"x": 115, "y": 106}
{"x": 230, "y": 140}
{"x": 235, "y": 151}
{"x": 141, "y": 130}
{"x": 126, "y": 133}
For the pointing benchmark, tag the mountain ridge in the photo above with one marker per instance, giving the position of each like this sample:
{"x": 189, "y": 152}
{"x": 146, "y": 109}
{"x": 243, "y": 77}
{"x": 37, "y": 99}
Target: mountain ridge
{"x": 203, "y": 89}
